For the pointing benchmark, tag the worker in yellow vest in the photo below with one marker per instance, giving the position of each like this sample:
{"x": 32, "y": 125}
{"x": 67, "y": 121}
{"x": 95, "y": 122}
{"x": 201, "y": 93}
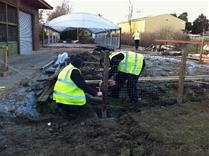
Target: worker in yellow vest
{"x": 125, "y": 66}
{"x": 70, "y": 86}
{"x": 136, "y": 36}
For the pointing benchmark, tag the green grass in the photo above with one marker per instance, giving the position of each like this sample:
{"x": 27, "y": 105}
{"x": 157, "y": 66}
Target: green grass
{"x": 186, "y": 125}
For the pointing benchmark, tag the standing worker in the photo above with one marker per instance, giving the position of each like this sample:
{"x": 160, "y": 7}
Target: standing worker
{"x": 70, "y": 86}
{"x": 136, "y": 36}
{"x": 125, "y": 66}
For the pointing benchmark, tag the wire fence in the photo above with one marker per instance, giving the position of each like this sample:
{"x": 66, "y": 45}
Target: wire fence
{"x": 165, "y": 80}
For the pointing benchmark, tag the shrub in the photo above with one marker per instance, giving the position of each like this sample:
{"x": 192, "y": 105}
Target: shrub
{"x": 191, "y": 48}
{"x": 126, "y": 39}
{"x": 166, "y": 33}
{"x": 147, "y": 39}
{"x": 180, "y": 36}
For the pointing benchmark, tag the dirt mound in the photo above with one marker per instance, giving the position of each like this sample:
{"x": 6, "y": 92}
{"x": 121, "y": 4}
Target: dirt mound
{"x": 156, "y": 126}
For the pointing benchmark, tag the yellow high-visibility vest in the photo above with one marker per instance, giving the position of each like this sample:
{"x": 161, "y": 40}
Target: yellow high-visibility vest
{"x": 137, "y": 36}
{"x": 66, "y": 91}
{"x": 132, "y": 62}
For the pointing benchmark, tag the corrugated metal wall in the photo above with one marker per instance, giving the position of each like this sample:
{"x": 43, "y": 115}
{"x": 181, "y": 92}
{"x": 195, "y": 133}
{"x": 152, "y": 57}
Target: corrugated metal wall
{"x": 25, "y": 31}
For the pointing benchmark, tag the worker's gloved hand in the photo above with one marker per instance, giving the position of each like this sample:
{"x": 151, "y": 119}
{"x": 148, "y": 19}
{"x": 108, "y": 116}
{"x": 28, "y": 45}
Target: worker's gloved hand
{"x": 100, "y": 83}
{"x": 99, "y": 93}
{"x": 111, "y": 82}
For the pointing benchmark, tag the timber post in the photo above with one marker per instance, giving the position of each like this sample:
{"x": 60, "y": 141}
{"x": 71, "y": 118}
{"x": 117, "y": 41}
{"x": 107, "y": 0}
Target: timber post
{"x": 5, "y": 57}
{"x": 181, "y": 78}
{"x": 201, "y": 48}
{"x": 105, "y": 84}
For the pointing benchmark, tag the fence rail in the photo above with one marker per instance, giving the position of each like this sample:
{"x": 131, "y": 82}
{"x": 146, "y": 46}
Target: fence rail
{"x": 102, "y": 40}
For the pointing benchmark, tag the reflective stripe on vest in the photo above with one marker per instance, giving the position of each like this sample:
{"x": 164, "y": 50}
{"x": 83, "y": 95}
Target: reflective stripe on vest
{"x": 69, "y": 96}
{"x": 66, "y": 91}
{"x": 132, "y": 62}
{"x": 66, "y": 82}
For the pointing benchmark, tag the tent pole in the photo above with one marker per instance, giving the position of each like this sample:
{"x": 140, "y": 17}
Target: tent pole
{"x": 77, "y": 34}
{"x": 42, "y": 35}
{"x": 48, "y": 36}
{"x": 120, "y": 39}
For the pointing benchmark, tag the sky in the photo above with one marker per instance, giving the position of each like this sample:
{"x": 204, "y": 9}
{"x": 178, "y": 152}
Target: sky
{"x": 117, "y": 10}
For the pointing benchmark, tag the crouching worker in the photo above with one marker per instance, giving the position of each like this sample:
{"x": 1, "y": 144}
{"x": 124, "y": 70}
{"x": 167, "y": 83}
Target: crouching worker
{"x": 126, "y": 66}
{"x": 70, "y": 87}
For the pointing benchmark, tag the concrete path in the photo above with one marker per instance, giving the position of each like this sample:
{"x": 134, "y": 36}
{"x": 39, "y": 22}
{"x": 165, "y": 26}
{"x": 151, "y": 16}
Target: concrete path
{"x": 25, "y": 66}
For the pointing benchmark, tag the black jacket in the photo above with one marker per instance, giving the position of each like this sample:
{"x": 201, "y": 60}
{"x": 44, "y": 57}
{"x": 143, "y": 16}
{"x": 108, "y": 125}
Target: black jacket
{"x": 78, "y": 79}
{"x": 80, "y": 82}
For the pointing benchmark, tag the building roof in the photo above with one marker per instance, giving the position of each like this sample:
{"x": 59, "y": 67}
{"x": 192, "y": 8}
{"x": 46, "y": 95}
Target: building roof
{"x": 92, "y": 22}
{"x": 148, "y": 17}
{"x": 38, "y": 4}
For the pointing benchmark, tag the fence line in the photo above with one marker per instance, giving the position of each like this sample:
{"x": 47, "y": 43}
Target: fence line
{"x": 106, "y": 41}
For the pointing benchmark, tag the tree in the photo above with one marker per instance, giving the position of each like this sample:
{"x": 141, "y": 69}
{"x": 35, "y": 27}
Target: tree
{"x": 63, "y": 9}
{"x": 200, "y": 24}
{"x": 188, "y": 26}
{"x": 130, "y": 13}
{"x": 40, "y": 15}
{"x": 174, "y": 14}
{"x": 183, "y": 16}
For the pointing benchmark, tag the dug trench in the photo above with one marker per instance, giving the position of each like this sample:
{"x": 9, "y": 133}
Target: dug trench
{"x": 156, "y": 126}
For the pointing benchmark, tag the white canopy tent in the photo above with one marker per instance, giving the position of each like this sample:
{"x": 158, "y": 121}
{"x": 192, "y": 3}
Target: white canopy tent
{"x": 94, "y": 23}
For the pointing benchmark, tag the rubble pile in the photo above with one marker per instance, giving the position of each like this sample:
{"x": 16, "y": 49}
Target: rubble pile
{"x": 49, "y": 72}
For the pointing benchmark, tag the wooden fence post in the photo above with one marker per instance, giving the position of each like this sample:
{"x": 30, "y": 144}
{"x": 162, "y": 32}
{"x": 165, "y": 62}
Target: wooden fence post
{"x": 181, "y": 78}
{"x": 105, "y": 84}
{"x": 201, "y": 48}
{"x": 6, "y": 58}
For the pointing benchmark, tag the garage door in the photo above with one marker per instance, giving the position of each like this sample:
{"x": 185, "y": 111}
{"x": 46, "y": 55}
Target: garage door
{"x": 25, "y": 28}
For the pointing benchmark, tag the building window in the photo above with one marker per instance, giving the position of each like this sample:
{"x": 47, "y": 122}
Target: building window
{"x": 12, "y": 33}
{"x": 2, "y": 12}
{"x": 12, "y": 14}
{"x": 8, "y": 23}
{"x": 3, "y": 33}
{"x": 12, "y": 23}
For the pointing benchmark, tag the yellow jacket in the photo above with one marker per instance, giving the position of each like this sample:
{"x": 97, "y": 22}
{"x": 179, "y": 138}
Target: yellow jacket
{"x": 66, "y": 91}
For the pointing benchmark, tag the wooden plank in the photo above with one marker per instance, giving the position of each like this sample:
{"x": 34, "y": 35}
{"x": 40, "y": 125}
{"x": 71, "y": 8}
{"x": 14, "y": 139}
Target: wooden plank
{"x": 201, "y": 82}
{"x": 47, "y": 92}
{"x": 48, "y": 64}
{"x": 2, "y": 87}
{"x": 180, "y": 41}
{"x": 162, "y": 78}
{"x": 87, "y": 62}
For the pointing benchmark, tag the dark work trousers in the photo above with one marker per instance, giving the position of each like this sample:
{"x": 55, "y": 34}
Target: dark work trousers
{"x": 136, "y": 44}
{"x": 120, "y": 79}
{"x": 70, "y": 108}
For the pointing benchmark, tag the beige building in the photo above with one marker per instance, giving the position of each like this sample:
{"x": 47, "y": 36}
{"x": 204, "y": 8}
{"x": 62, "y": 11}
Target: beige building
{"x": 19, "y": 25}
{"x": 153, "y": 24}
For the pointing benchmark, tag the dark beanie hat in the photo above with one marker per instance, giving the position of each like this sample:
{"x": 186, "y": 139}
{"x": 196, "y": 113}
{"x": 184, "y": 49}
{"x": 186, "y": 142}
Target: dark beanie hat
{"x": 77, "y": 61}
